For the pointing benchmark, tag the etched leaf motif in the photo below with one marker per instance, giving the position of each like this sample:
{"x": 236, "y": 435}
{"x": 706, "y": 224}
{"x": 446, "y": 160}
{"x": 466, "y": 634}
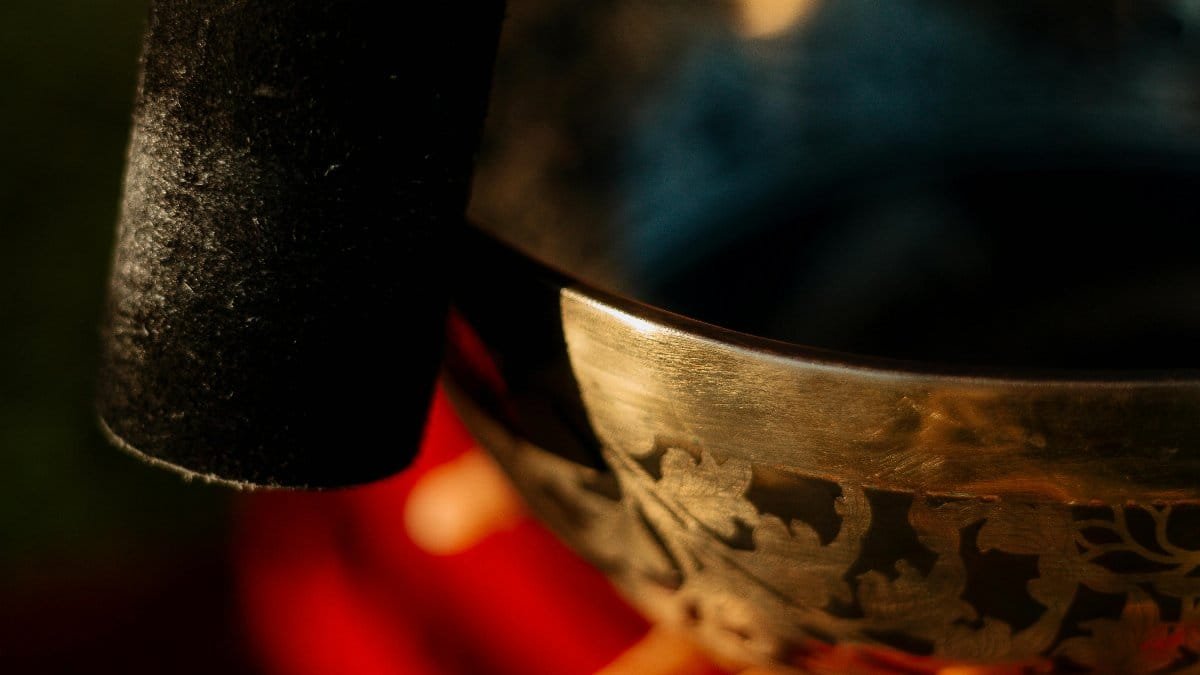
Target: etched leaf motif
{"x": 757, "y": 560}
{"x": 1136, "y": 643}
{"x": 896, "y": 601}
{"x": 991, "y": 641}
{"x": 712, "y": 493}
{"x": 590, "y": 511}
{"x": 628, "y": 537}
{"x": 791, "y": 559}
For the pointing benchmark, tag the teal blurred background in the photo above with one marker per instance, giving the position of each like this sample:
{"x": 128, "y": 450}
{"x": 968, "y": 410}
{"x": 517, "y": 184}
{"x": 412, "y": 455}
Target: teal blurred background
{"x": 105, "y": 565}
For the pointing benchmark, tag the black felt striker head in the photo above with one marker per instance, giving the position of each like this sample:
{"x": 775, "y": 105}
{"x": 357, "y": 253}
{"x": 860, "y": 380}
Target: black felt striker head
{"x": 296, "y": 173}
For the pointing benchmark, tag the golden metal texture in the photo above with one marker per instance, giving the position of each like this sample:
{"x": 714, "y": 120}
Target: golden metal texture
{"x": 770, "y": 499}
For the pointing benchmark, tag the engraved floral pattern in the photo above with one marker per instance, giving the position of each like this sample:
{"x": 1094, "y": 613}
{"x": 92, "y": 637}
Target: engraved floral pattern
{"x": 710, "y": 545}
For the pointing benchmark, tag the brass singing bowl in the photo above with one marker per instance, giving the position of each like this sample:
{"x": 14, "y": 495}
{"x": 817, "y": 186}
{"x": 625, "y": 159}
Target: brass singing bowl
{"x": 772, "y": 499}
{"x": 969, "y": 499}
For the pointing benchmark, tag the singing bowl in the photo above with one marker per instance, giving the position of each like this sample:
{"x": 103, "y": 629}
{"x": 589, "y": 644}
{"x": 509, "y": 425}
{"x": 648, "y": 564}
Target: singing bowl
{"x": 928, "y": 387}
{"x": 775, "y": 500}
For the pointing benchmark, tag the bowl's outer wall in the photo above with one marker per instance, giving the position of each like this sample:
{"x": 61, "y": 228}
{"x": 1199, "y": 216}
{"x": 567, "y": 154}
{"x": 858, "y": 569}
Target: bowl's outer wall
{"x": 774, "y": 500}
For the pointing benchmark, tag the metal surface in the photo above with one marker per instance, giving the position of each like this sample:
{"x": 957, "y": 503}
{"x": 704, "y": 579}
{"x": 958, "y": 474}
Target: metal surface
{"x": 773, "y": 499}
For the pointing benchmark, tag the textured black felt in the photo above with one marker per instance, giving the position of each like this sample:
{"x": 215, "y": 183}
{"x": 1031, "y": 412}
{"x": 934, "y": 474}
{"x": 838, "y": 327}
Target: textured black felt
{"x": 295, "y": 172}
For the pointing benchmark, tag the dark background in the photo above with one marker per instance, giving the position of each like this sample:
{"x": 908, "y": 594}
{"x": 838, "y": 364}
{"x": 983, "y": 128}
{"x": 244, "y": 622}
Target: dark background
{"x": 105, "y": 565}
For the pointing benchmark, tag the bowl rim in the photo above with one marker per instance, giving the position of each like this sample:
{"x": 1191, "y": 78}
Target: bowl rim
{"x": 825, "y": 357}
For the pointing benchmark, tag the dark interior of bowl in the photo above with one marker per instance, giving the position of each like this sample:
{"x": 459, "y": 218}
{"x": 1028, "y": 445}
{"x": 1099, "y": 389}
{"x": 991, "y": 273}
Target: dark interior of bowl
{"x": 954, "y": 183}
{"x": 1058, "y": 258}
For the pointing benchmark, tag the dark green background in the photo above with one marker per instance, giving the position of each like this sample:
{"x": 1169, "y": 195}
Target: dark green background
{"x": 97, "y": 552}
